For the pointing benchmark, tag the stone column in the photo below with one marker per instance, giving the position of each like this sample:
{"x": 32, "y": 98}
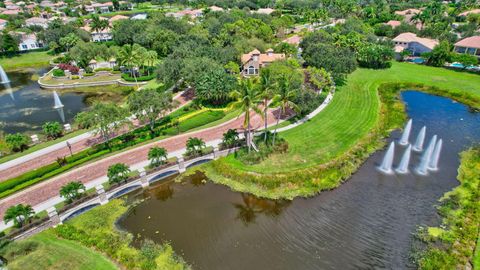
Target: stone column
{"x": 143, "y": 177}
{"x": 54, "y": 217}
{"x": 101, "y": 194}
{"x": 216, "y": 153}
{"x": 181, "y": 164}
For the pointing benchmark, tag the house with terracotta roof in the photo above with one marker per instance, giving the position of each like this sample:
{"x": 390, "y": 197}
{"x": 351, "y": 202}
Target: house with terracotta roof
{"x": 253, "y": 61}
{"x": 37, "y": 21}
{"x": 117, "y": 18}
{"x": 393, "y": 23}
{"x": 470, "y": 45}
{"x": 99, "y": 36}
{"x": 408, "y": 15}
{"x": 215, "y": 8}
{"x": 411, "y": 42}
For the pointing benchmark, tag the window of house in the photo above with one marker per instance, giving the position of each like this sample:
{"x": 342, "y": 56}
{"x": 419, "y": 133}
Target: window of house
{"x": 251, "y": 70}
{"x": 24, "y": 46}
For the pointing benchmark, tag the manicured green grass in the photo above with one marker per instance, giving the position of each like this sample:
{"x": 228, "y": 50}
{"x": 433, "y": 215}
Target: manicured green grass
{"x": 32, "y": 59}
{"x": 476, "y": 256}
{"x": 51, "y": 252}
{"x": 353, "y": 112}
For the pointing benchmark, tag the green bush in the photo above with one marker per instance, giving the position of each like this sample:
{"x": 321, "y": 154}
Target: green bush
{"x": 58, "y": 72}
{"x": 75, "y": 77}
{"x": 88, "y": 74}
{"x": 103, "y": 69}
{"x": 129, "y": 78}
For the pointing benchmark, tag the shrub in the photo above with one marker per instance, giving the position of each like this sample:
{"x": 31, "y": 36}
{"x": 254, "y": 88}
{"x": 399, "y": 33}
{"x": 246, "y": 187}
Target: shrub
{"x": 103, "y": 69}
{"x": 129, "y": 78}
{"x": 75, "y": 77}
{"x": 53, "y": 130}
{"x": 17, "y": 142}
{"x": 73, "y": 69}
{"x": 88, "y": 74}
{"x": 58, "y": 72}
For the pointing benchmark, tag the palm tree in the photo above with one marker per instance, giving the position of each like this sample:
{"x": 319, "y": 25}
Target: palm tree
{"x": 230, "y": 138}
{"x": 248, "y": 99}
{"x": 98, "y": 24}
{"x": 117, "y": 173}
{"x": 266, "y": 93}
{"x": 71, "y": 191}
{"x": 149, "y": 59}
{"x": 157, "y": 156}
{"x": 131, "y": 57}
{"x": 19, "y": 214}
{"x": 284, "y": 99}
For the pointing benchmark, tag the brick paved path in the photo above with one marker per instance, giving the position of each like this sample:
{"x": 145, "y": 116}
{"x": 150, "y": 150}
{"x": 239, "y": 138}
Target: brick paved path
{"x": 51, "y": 157}
{"x": 46, "y": 190}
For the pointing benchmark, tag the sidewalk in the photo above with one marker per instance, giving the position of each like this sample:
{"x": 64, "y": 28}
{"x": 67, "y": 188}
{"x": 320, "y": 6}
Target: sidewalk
{"x": 50, "y": 154}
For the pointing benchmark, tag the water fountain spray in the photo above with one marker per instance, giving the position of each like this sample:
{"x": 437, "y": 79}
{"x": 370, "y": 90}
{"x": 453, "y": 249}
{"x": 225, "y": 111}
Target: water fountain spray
{"x": 427, "y": 155}
{"x": 58, "y": 105}
{"x": 406, "y": 133}
{"x": 419, "y": 141}
{"x": 433, "y": 164}
{"x": 387, "y": 162}
{"x": 403, "y": 167}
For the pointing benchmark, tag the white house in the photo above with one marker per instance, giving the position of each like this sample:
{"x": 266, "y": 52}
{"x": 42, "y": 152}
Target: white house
{"x": 28, "y": 42}
{"x": 99, "y": 36}
{"x": 142, "y": 16}
{"x": 411, "y": 42}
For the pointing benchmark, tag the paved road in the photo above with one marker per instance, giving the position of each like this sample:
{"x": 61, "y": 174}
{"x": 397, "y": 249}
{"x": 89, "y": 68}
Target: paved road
{"x": 48, "y": 189}
{"x": 50, "y": 154}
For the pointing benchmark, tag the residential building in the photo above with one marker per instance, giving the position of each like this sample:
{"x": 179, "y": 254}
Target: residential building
{"x": 3, "y": 24}
{"x": 466, "y": 13}
{"x": 192, "y": 13}
{"x": 408, "y": 16}
{"x": 215, "y": 8}
{"x": 293, "y": 40}
{"x": 267, "y": 11}
{"x": 393, "y": 23}
{"x": 253, "y": 61}
{"x": 99, "y": 36}
{"x": 28, "y": 41}
{"x": 411, "y": 42}
{"x": 99, "y": 7}
{"x": 470, "y": 45}
{"x": 37, "y": 21}
{"x": 117, "y": 18}
{"x": 142, "y": 16}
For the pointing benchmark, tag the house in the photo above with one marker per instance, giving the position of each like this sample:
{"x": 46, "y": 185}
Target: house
{"x": 11, "y": 12}
{"x": 142, "y": 16}
{"x": 99, "y": 36}
{"x": 3, "y": 24}
{"x": 466, "y": 13}
{"x": 195, "y": 13}
{"x": 470, "y": 45}
{"x": 99, "y": 7}
{"x": 411, "y": 42}
{"x": 266, "y": 11}
{"x": 117, "y": 18}
{"x": 408, "y": 15}
{"x": 215, "y": 8}
{"x": 393, "y": 23}
{"x": 37, "y": 21}
{"x": 28, "y": 41}
{"x": 253, "y": 61}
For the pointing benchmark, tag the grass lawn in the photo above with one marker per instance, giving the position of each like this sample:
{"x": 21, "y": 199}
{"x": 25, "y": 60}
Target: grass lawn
{"x": 353, "y": 112}
{"x": 51, "y": 252}
{"x": 32, "y": 59}
{"x": 88, "y": 79}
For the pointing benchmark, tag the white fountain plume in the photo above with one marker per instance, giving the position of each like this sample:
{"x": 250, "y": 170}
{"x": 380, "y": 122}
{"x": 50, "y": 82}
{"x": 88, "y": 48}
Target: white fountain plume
{"x": 427, "y": 155}
{"x": 3, "y": 76}
{"x": 433, "y": 164}
{"x": 419, "y": 141}
{"x": 403, "y": 167}
{"x": 406, "y": 133}
{"x": 58, "y": 106}
{"x": 386, "y": 165}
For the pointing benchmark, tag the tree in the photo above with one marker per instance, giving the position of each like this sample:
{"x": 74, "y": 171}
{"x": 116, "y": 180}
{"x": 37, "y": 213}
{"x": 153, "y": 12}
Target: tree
{"x": 72, "y": 190}
{"x": 107, "y": 118}
{"x": 118, "y": 173}
{"x": 375, "y": 56}
{"x": 465, "y": 59}
{"x": 157, "y": 156}
{"x": 266, "y": 89}
{"x": 20, "y": 214}
{"x": 131, "y": 56}
{"x": 230, "y": 138}
{"x": 284, "y": 98}
{"x": 195, "y": 146}
{"x": 97, "y": 24}
{"x": 9, "y": 44}
{"x": 150, "y": 58}
{"x": 339, "y": 61}
{"x": 53, "y": 130}
{"x": 214, "y": 86}
{"x": 69, "y": 41}
{"x": 248, "y": 100}
{"x": 232, "y": 68}
{"x": 149, "y": 104}
{"x": 439, "y": 55}
{"x": 17, "y": 142}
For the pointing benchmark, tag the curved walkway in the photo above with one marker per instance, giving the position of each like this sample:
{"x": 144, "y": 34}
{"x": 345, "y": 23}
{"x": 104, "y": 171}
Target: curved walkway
{"x": 49, "y": 154}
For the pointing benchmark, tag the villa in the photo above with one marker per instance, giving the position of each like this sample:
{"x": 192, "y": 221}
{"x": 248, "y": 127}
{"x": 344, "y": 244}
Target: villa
{"x": 37, "y": 21}
{"x": 117, "y": 18}
{"x": 99, "y": 7}
{"x": 253, "y": 61}
{"x": 393, "y": 23}
{"x": 28, "y": 42}
{"x": 411, "y": 42}
{"x": 470, "y": 45}
{"x": 195, "y": 13}
{"x": 216, "y": 9}
{"x": 408, "y": 15}
{"x": 99, "y": 36}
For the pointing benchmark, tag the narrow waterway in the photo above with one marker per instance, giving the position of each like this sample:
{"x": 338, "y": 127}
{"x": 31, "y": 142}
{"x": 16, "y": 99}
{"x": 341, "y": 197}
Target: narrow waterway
{"x": 25, "y": 107}
{"x": 367, "y": 223}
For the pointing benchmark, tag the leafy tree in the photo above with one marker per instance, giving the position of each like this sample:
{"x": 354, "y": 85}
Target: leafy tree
{"x": 72, "y": 190}
{"x": 97, "y": 24}
{"x": 248, "y": 100}
{"x": 118, "y": 173}
{"x": 232, "y": 68}
{"x": 195, "y": 146}
{"x": 320, "y": 78}
{"x": 131, "y": 56}
{"x": 17, "y": 142}
{"x": 375, "y": 56}
{"x": 383, "y": 30}
{"x": 157, "y": 156}
{"x": 9, "y": 44}
{"x": 149, "y": 104}
{"x": 20, "y": 214}
{"x": 53, "y": 130}
{"x": 465, "y": 59}
{"x": 214, "y": 86}
{"x": 286, "y": 48}
{"x": 107, "y": 118}
{"x": 230, "y": 138}
{"x": 339, "y": 61}
{"x": 284, "y": 98}
{"x": 439, "y": 55}
{"x": 69, "y": 41}
{"x": 149, "y": 59}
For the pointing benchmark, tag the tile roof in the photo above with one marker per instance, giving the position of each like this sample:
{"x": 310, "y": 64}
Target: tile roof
{"x": 262, "y": 57}
{"x": 411, "y": 37}
{"x": 470, "y": 42}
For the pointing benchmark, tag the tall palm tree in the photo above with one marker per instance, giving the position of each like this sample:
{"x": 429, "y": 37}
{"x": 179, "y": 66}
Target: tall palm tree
{"x": 248, "y": 99}
{"x": 284, "y": 99}
{"x": 131, "y": 56}
{"x": 19, "y": 214}
{"x": 98, "y": 24}
{"x": 267, "y": 88}
{"x": 150, "y": 58}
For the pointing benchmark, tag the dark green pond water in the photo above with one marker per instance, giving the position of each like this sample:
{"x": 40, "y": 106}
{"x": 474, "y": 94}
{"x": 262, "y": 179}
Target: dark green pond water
{"x": 367, "y": 223}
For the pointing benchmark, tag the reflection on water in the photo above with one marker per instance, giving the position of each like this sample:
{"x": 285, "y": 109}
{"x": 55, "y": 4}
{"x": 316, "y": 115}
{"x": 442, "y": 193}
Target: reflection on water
{"x": 25, "y": 107}
{"x": 367, "y": 223}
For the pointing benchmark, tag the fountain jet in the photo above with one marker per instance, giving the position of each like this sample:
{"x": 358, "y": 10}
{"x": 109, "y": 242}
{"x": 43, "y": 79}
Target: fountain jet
{"x": 420, "y": 138}
{"x": 403, "y": 167}
{"x": 3, "y": 76}
{"x": 433, "y": 164}
{"x": 386, "y": 165}
{"x": 58, "y": 105}
{"x": 427, "y": 155}
{"x": 406, "y": 133}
